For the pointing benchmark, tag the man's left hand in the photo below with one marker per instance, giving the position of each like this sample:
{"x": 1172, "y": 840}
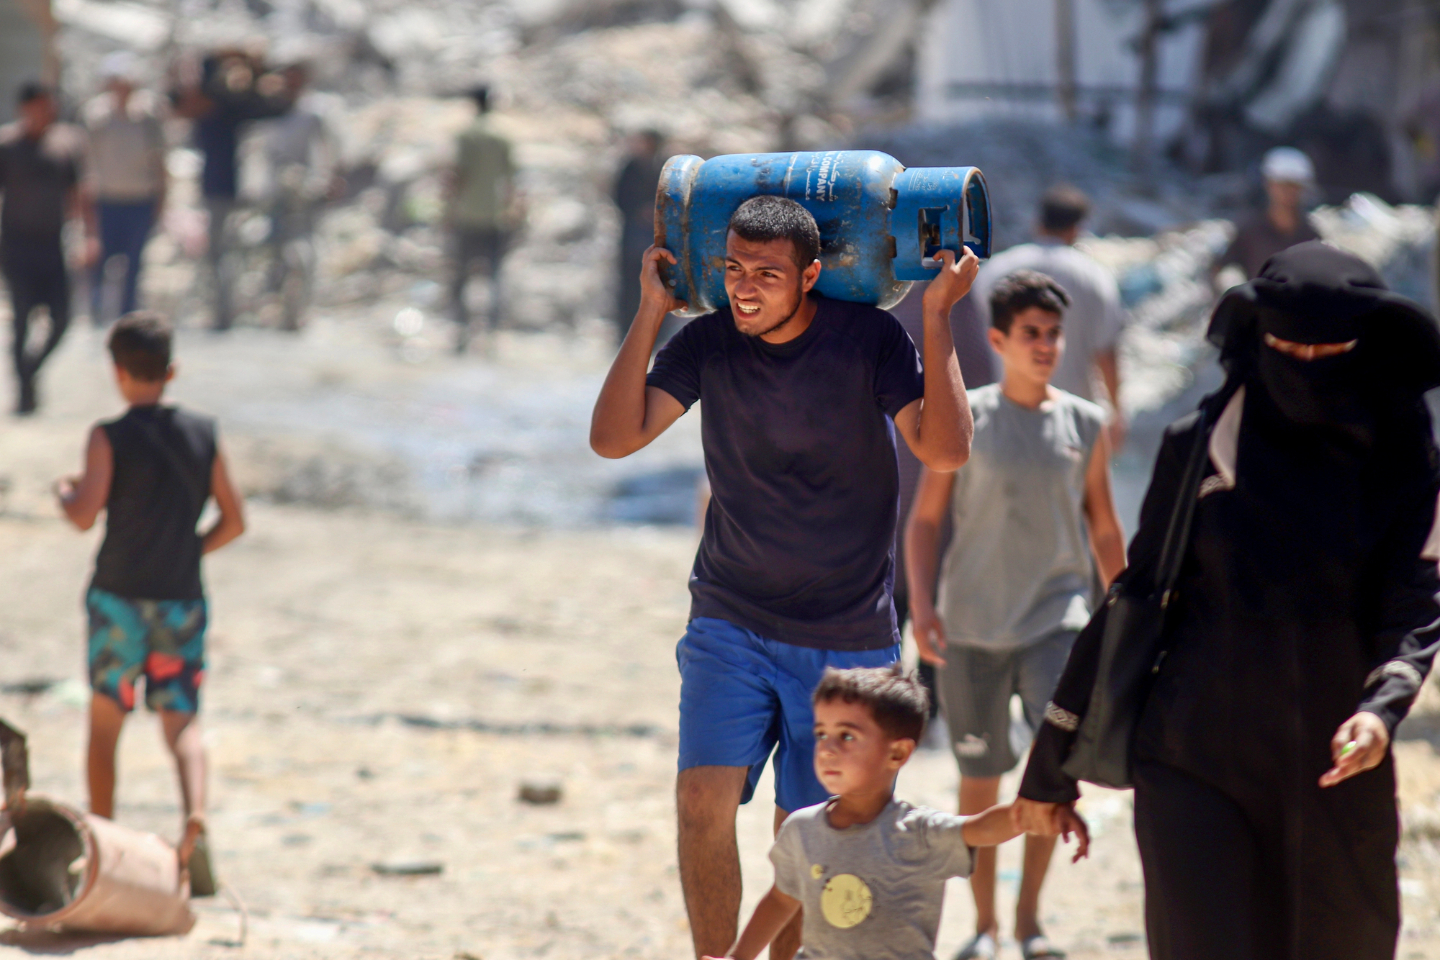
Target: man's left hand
{"x": 1358, "y": 745}
{"x": 953, "y": 281}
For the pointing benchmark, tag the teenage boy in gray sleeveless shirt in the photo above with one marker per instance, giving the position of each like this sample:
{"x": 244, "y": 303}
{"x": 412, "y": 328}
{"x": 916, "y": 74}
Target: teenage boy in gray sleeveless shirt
{"x": 1030, "y": 509}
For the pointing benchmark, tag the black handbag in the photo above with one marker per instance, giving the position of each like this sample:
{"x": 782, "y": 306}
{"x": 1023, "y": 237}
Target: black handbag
{"x": 1132, "y": 645}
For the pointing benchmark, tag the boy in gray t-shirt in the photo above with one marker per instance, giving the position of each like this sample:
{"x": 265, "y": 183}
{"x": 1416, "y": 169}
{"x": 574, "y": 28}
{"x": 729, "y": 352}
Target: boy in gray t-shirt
{"x": 1029, "y": 511}
{"x": 868, "y": 870}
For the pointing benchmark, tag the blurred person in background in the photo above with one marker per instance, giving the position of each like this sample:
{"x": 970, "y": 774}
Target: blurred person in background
{"x": 125, "y": 174}
{"x": 634, "y": 195}
{"x": 232, "y": 90}
{"x": 1282, "y": 224}
{"x": 1095, "y": 320}
{"x": 41, "y": 164}
{"x": 482, "y": 212}
{"x": 303, "y": 158}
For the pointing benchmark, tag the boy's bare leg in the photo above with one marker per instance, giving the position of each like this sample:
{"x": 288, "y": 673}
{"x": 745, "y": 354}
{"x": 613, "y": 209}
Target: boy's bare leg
{"x": 787, "y": 942}
{"x": 182, "y": 736}
{"x": 106, "y": 720}
{"x": 978, "y": 794}
{"x": 1038, "y": 851}
{"x": 706, "y": 800}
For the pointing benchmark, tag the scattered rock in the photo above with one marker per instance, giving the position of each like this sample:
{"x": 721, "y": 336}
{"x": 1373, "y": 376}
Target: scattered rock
{"x": 408, "y": 868}
{"x": 541, "y": 792}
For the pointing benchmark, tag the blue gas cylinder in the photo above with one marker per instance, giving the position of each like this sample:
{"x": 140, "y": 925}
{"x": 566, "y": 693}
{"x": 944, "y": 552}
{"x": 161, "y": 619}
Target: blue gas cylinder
{"x": 880, "y": 224}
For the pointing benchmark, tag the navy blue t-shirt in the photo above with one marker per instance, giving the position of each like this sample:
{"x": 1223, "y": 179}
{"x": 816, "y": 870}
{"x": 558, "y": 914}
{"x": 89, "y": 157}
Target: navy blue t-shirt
{"x": 800, "y": 450}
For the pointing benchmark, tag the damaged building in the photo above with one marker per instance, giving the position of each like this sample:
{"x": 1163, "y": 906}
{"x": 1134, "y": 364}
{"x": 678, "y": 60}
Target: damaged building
{"x": 1354, "y": 83}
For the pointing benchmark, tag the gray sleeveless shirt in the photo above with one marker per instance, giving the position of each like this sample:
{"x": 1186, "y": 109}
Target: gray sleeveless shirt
{"x": 1019, "y": 567}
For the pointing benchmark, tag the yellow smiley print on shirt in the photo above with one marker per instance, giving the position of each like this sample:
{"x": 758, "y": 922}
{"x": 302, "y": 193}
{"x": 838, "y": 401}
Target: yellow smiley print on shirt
{"x": 845, "y": 901}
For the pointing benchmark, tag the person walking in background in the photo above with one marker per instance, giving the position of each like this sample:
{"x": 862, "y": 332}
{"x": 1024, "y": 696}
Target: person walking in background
{"x": 302, "y": 157}
{"x": 232, "y": 91}
{"x": 634, "y": 196}
{"x": 1298, "y": 634}
{"x": 482, "y": 213}
{"x": 41, "y": 164}
{"x": 803, "y": 398}
{"x": 1030, "y": 509}
{"x": 152, "y": 471}
{"x": 126, "y": 176}
{"x": 1095, "y": 319}
{"x": 1282, "y": 224}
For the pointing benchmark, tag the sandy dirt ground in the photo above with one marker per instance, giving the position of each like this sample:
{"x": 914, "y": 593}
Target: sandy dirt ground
{"x": 382, "y": 682}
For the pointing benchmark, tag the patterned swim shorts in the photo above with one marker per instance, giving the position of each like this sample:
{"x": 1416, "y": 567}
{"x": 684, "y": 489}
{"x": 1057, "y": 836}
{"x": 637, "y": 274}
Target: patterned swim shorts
{"x": 163, "y": 640}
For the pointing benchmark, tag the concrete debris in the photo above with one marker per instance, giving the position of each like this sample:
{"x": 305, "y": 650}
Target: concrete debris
{"x": 572, "y": 77}
{"x": 1398, "y": 240}
{"x": 1165, "y": 283}
{"x": 1166, "y": 287}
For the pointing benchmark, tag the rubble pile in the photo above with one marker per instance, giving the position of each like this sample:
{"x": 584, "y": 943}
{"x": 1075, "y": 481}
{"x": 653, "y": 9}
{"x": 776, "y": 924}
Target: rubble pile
{"x": 1166, "y": 288}
{"x": 1023, "y": 158}
{"x": 571, "y": 77}
{"x": 1398, "y": 240}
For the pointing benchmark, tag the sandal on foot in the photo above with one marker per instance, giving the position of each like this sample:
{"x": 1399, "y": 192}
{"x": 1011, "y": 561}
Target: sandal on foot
{"x": 195, "y": 852}
{"x": 1039, "y": 948}
{"x": 979, "y": 947}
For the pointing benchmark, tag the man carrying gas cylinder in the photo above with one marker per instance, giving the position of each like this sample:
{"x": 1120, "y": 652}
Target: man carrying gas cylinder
{"x": 795, "y": 571}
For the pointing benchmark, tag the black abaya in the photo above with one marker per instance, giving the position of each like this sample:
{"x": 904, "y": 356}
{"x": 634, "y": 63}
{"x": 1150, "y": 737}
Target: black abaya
{"x": 1303, "y": 598}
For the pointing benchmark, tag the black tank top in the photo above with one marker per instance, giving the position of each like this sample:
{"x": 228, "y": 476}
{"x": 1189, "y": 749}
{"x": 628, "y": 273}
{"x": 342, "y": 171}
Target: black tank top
{"x": 163, "y": 460}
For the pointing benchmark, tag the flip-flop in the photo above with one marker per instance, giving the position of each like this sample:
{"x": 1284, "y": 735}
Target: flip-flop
{"x": 1038, "y": 947}
{"x": 979, "y": 947}
{"x": 202, "y": 875}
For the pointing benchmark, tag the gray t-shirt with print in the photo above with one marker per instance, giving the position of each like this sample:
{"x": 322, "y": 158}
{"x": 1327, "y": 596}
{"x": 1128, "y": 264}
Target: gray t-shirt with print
{"x": 872, "y": 891}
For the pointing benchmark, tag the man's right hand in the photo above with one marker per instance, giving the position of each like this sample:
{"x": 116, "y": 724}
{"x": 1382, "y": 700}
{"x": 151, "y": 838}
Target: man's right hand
{"x": 929, "y": 632}
{"x": 654, "y": 294}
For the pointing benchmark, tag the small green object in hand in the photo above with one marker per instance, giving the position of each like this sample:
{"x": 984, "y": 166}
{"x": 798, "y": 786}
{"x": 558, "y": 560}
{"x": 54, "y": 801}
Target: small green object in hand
{"x": 1348, "y": 749}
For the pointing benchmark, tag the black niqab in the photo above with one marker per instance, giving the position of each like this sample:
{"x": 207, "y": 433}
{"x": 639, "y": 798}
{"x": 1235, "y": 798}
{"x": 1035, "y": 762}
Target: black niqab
{"x": 1315, "y": 293}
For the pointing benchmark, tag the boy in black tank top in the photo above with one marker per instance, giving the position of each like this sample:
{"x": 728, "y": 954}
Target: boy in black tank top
{"x": 152, "y": 472}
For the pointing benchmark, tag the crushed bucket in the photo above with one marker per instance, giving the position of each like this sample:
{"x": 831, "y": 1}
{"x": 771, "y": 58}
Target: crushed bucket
{"x": 61, "y": 869}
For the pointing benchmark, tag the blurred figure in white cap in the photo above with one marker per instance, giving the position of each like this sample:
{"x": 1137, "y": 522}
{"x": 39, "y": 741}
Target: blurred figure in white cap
{"x": 1288, "y": 174}
{"x": 125, "y": 176}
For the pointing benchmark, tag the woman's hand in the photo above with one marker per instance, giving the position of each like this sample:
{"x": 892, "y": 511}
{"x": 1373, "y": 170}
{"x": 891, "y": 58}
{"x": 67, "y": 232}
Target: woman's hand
{"x": 1358, "y": 745}
{"x": 929, "y": 631}
{"x": 1052, "y": 820}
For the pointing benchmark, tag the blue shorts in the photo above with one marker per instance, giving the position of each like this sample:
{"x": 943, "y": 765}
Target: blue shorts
{"x": 742, "y": 696}
{"x": 160, "y": 640}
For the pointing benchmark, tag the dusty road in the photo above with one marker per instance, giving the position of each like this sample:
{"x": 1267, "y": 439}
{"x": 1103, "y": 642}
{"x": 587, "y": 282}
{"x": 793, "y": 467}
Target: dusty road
{"x": 382, "y": 681}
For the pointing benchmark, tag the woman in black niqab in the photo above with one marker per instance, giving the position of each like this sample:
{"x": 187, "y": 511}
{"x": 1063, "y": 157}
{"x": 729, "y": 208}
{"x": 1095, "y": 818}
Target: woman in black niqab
{"x": 1304, "y": 622}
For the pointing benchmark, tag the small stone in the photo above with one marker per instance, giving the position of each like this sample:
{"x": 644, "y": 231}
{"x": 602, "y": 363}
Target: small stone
{"x": 540, "y": 792}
